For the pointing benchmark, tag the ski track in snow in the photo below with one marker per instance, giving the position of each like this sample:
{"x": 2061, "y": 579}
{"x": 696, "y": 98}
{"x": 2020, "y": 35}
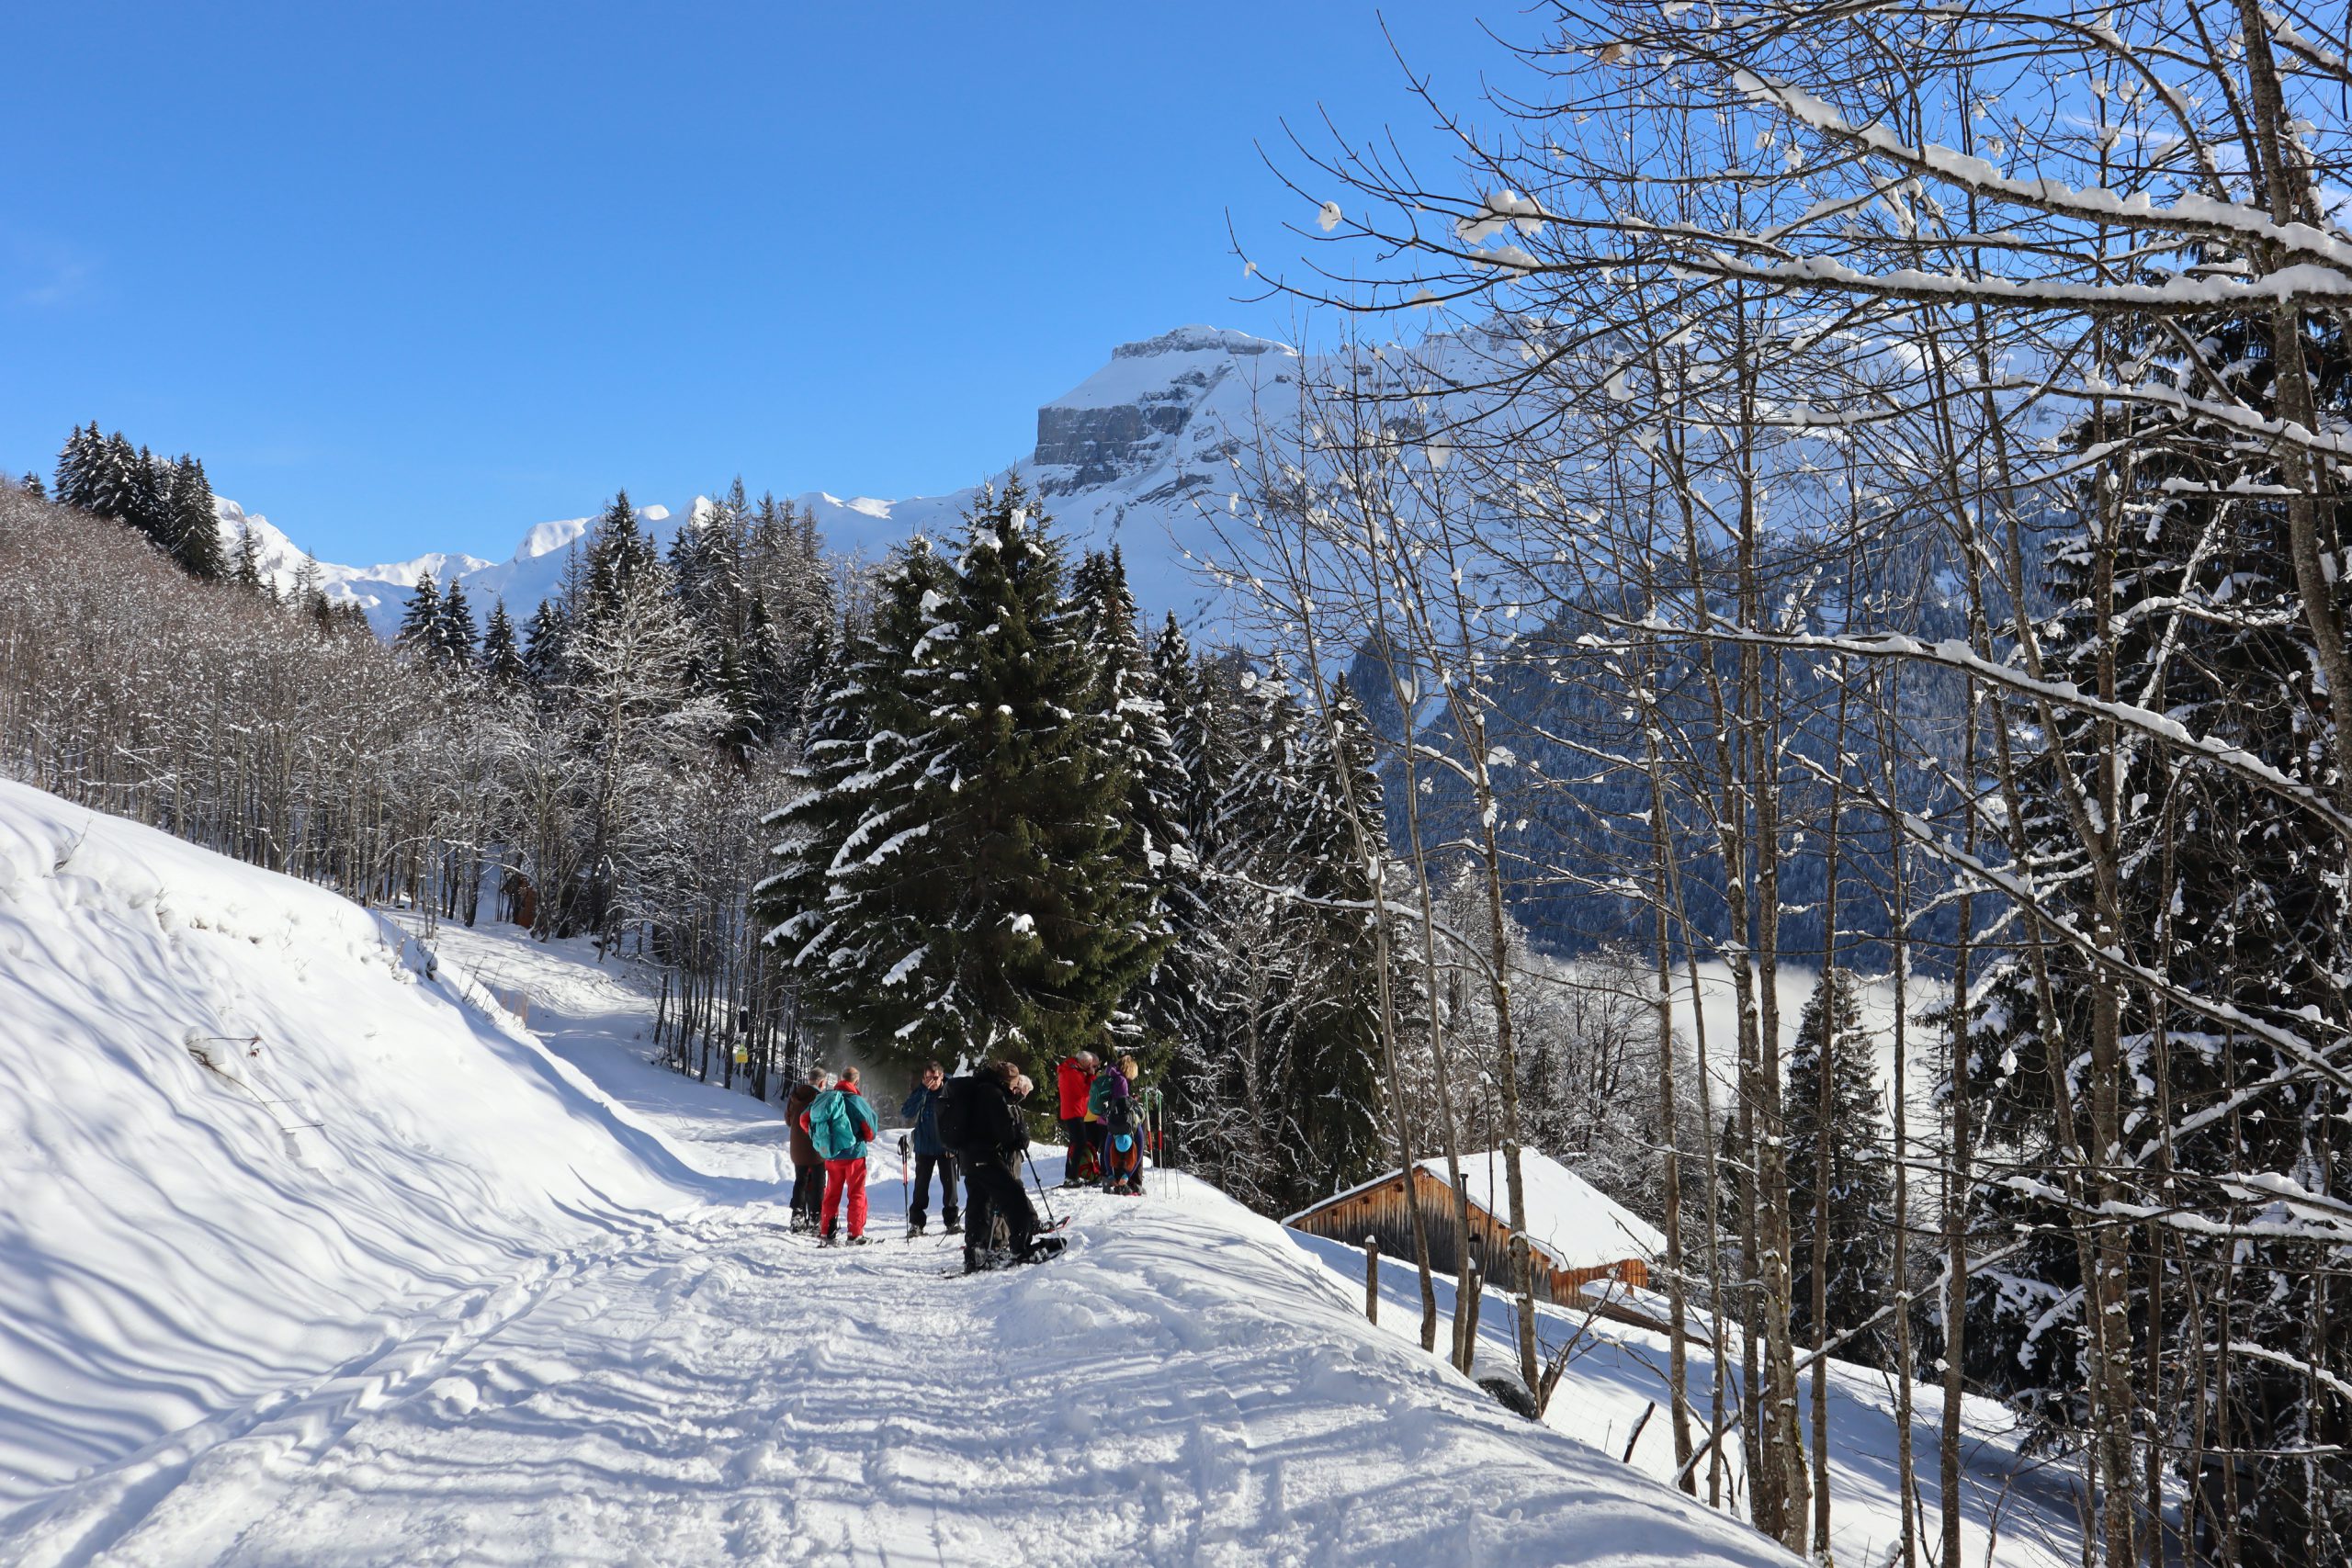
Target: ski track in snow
{"x": 1184, "y": 1386}
{"x": 1172, "y": 1391}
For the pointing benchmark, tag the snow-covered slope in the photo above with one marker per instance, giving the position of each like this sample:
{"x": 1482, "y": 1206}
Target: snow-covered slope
{"x": 243, "y": 1141}
{"x": 2018, "y": 1509}
{"x": 413, "y": 1284}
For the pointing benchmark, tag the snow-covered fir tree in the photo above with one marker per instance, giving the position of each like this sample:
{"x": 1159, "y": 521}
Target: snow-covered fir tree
{"x": 1832, "y": 1043}
{"x": 420, "y": 628}
{"x": 1276, "y": 1086}
{"x": 979, "y": 893}
{"x": 190, "y": 526}
{"x": 832, "y": 904}
{"x": 502, "y": 651}
{"x": 454, "y": 637}
{"x": 247, "y": 572}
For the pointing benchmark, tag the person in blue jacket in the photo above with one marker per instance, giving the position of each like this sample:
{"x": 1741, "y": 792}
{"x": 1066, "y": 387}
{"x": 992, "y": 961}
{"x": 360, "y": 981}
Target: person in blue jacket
{"x": 922, "y": 1113}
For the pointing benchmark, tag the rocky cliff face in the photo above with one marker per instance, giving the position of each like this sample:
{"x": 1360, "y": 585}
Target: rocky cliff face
{"x": 1126, "y": 420}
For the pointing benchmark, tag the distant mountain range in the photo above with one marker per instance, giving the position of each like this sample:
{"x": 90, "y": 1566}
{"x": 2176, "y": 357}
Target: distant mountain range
{"x": 1129, "y": 456}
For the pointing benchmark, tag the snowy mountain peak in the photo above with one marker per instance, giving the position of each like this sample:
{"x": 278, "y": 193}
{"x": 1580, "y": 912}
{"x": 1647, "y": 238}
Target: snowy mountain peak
{"x": 1124, "y": 457}
{"x": 1201, "y": 340}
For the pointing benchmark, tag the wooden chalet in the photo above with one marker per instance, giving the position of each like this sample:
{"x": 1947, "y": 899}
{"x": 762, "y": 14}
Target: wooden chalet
{"x": 1579, "y": 1234}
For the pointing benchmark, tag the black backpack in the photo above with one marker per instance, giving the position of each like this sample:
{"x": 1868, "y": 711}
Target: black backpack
{"x": 958, "y": 1127}
{"x": 1120, "y": 1114}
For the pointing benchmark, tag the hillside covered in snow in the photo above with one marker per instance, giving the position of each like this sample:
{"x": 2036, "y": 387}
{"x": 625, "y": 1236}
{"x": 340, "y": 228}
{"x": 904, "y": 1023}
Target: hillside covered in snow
{"x": 315, "y": 1252}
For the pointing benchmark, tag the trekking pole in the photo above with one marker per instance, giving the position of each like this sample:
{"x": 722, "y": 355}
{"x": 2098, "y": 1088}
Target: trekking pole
{"x": 906, "y": 1192}
{"x": 1040, "y": 1185}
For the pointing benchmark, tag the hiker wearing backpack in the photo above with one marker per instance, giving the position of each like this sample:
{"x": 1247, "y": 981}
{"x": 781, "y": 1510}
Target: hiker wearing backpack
{"x": 1114, "y": 1103}
{"x": 1073, "y": 1079}
{"x": 808, "y": 1165}
{"x": 840, "y": 1125}
{"x": 921, "y": 1112}
{"x": 980, "y": 1121}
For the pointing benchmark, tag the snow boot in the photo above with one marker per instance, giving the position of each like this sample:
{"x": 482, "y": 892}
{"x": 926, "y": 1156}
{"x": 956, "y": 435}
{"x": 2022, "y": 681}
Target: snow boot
{"x": 859, "y": 1240}
{"x": 1043, "y": 1249}
{"x": 828, "y": 1239}
{"x": 954, "y": 1227}
{"x": 914, "y": 1229}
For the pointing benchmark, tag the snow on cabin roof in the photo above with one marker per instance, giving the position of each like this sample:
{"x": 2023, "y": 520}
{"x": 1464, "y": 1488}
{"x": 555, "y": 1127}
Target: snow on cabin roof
{"x": 1574, "y": 1222}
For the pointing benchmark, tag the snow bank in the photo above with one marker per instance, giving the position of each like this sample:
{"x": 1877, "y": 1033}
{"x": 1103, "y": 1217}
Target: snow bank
{"x": 245, "y": 1143}
{"x": 1182, "y": 1386}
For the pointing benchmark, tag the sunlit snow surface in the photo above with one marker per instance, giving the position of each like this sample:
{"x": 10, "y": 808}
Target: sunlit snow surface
{"x": 529, "y": 1300}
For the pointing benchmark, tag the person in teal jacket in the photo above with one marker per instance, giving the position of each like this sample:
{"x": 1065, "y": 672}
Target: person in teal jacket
{"x": 1112, "y": 1107}
{"x": 840, "y": 1124}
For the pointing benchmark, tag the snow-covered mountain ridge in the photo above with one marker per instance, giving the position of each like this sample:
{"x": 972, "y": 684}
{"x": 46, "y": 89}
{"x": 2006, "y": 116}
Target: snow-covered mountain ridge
{"x": 1123, "y": 458}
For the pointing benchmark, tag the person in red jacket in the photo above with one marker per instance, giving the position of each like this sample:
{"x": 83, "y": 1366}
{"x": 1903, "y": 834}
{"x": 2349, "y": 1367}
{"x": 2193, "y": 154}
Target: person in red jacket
{"x": 1074, "y": 1076}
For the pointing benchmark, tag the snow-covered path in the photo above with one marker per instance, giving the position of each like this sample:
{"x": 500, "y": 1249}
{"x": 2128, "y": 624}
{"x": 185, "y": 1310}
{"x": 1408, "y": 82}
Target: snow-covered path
{"x": 1185, "y": 1385}
{"x": 1172, "y": 1391}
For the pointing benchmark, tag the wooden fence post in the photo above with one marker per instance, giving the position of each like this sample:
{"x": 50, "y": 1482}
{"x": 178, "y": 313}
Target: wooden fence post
{"x": 1372, "y": 1279}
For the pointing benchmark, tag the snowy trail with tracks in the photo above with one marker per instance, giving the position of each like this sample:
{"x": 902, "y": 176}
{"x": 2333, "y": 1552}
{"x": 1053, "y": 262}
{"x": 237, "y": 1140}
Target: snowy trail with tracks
{"x": 1184, "y": 1386}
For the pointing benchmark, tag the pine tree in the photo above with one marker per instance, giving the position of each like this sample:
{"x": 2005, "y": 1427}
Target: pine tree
{"x": 617, "y": 554}
{"x": 108, "y": 482}
{"x": 1288, "y": 957}
{"x": 147, "y": 504}
{"x": 246, "y": 573}
{"x": 1129, "y": 704}
{"x": 454, "y": 636}
{"x": 977, "y": 901}
{"x": 32, "y": 485}
{"x": 420, "y": 629}
{"x": 731, "y": 683}
{"x": 1859, "y": 1283}
{"x": 192, "y": 524}
{"x": 501, "y": 655}
{"x": 545, "y": 646}
{"x": 77, "y": 467}
{"x": 837, "y": 906}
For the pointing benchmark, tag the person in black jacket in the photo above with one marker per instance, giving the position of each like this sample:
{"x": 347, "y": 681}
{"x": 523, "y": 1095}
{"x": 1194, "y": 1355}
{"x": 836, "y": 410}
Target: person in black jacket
{"x": 985, "y": 1127}
{"x": 921, "y": 1112}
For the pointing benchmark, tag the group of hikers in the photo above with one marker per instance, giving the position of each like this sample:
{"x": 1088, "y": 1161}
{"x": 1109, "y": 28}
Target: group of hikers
{"x": 975, "y": 1126}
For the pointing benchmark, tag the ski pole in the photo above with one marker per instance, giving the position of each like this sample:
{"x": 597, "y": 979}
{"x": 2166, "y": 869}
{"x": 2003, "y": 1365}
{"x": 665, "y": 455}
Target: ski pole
{"x": 1039, "y": 1184}
{"x": 906, "y": 1192}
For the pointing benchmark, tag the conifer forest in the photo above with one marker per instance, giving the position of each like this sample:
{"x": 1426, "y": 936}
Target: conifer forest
{"x": 1789, "y": 648}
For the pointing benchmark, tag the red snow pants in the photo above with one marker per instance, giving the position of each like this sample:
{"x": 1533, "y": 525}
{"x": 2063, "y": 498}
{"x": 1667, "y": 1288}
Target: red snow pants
{"x": 845, "y": 1178}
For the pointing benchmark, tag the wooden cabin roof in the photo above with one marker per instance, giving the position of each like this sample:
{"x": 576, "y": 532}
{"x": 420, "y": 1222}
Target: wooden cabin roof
{"x": 1570, "y": 1221}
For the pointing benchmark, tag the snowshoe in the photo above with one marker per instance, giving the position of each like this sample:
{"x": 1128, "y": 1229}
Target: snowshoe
{"x": 1041, "y": 1248}
{"x": 859, "y": 1240}
{"x": 828, "y": 1241}
{"x": 954, "y": 1227}
{"x": 914, "y": 1229}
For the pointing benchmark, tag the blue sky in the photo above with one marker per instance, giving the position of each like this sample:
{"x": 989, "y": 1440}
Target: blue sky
{"x": 415, "y": 277}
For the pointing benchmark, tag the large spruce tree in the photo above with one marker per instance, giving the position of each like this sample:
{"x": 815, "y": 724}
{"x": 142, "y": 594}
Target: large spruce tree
{"x": 1831, "y": 1043}
{"x": 191, "y": 525}
{"x": 977, "y": 893}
